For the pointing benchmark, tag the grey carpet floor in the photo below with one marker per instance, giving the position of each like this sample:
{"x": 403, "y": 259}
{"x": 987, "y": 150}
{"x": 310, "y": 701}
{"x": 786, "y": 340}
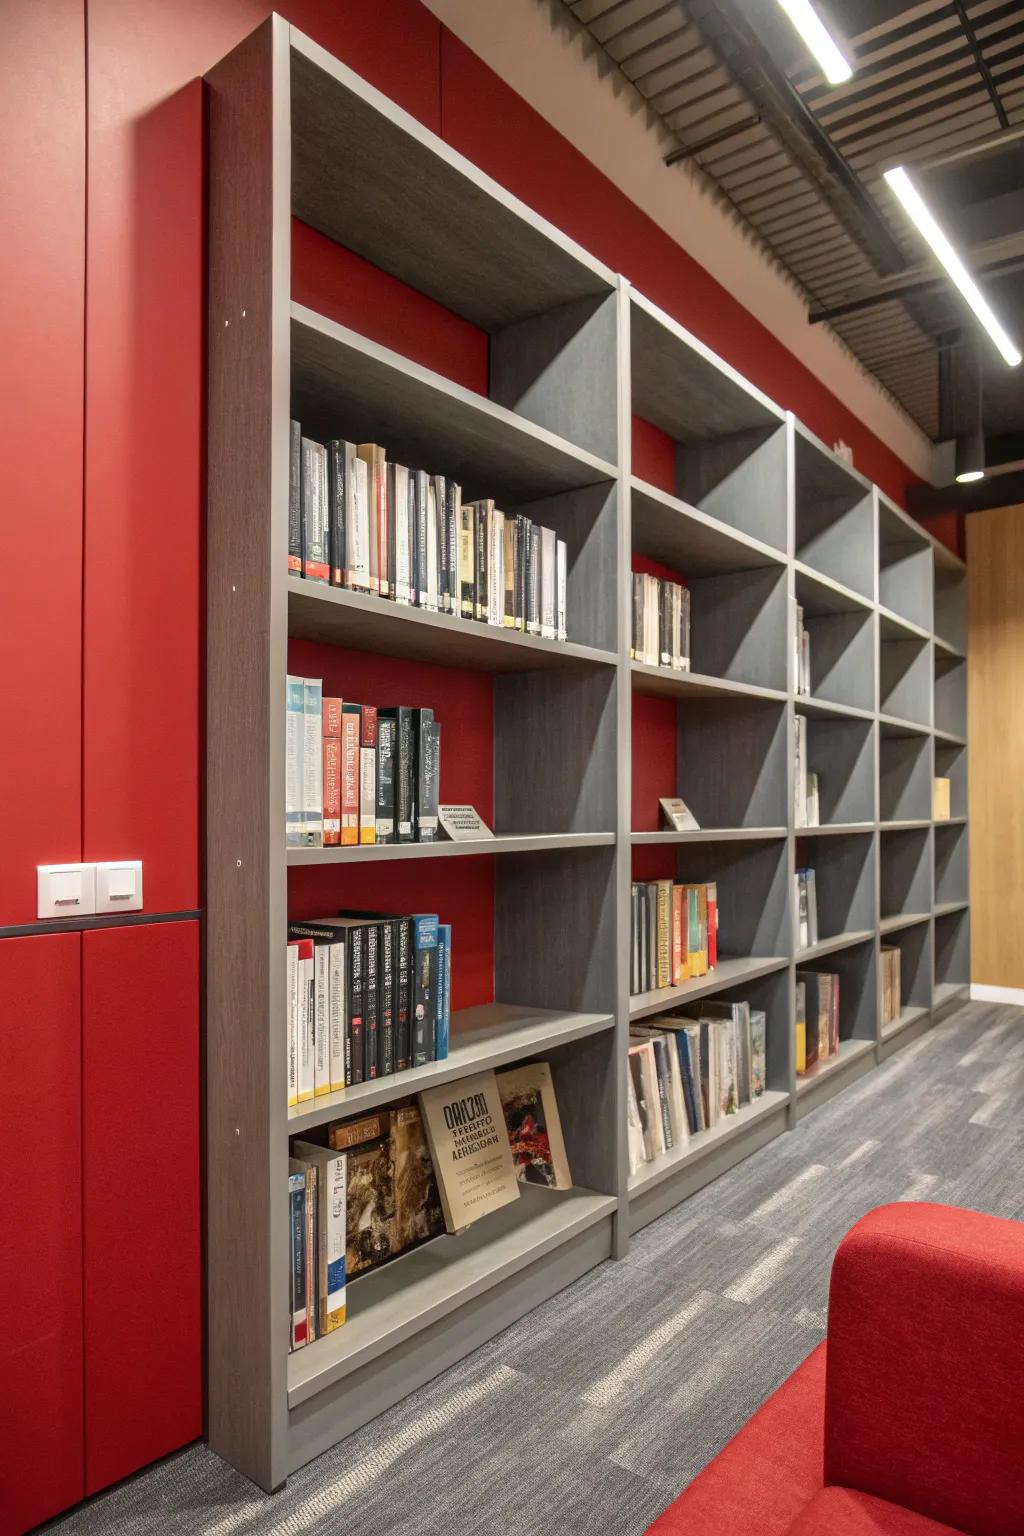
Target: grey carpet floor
{"x": 591, "y": 1413}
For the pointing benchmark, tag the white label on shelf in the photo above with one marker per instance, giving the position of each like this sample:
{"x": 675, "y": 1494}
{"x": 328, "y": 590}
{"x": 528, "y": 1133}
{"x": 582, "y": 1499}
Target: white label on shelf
{"x": 462, "y": 823}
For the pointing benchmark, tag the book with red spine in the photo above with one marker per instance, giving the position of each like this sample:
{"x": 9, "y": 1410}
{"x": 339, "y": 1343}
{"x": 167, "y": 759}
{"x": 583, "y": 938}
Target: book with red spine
{"x": 712, "y": 925}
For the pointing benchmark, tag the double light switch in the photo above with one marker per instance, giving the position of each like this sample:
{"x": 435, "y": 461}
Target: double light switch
{"x": 89, "y": 890}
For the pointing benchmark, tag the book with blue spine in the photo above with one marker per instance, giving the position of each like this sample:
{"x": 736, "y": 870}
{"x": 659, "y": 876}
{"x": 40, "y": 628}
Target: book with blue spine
{"x": 330, "y": 1227}
{"x": 297, "y": 1326}
{"x": 444, "y": 991}
{"x": 424, "y": 987}
{"x": 294, "y": 798}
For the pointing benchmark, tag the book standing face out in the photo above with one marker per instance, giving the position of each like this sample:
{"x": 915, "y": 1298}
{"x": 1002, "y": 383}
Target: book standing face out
{"x": 533, "y": 1126}
{"x": 465, "y": 1128}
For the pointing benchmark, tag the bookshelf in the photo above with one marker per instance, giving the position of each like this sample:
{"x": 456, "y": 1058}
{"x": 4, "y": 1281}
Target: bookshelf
{"x": 758, "y": 512}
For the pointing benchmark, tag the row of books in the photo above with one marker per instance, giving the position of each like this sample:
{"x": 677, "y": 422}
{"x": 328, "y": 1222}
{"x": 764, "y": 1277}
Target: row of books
{"x": 817, "y": 1018}
{"x": 673, "y": 933}
{"x": 661, "y": 623}
{"x": 891, "y": 1003}
{"x": 358, "y": 774}
{"x": 806, "y": 807}
{"x": 368, "y": 994}
{"x": 801, "y": 652}
{"x": 389, "y": 1181}
{"x": 687, "y": 1072}
{"x": 805, "y": 906}
{"x": 358, "y": 520}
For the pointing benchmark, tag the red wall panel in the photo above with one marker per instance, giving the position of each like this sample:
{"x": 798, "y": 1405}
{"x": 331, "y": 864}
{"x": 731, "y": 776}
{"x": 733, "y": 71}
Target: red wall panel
{"x": 40, "y": 1229}
{"x": 42, "y": 299}
{"x": 140, "y": 1198}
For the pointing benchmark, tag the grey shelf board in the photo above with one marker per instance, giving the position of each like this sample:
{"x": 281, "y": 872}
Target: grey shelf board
{"x": 849, "y": 1052}
{"x": 904, "y": 826}
{"x": 665, "y": 683}
{"x": 902, "y": 1021}
{"x": 946, "y": 992}
{"x": 820, "y": 594}
{"x": 701, "y": 1143}
{"x": 831, "y": 945}
{"x": 835, "y": 829}
{"x": 371, "y": 177}
{"x": 369, "y": 853}
{"x": 951, "y": 652}
{"x": 362, "y": 622}
{"x": 681, "y": 386}
{"x": 485, "y": 1037}
{"x": 827, "y": 709}
{"x": 892, "y": 626}
{"x": 345, "y": 385}
{"x": 894, "y": 725}
{"x": 667, "y": 529}
{"x": 709, "y": 835}
{"x": 392, "y": 1304}
{"x": 727, "y": 973}
{"x": 900, "y": 920}
{"x": 950, "y": 738}
{"x": 947, "y": 908}
{"x": 949, "y": 821}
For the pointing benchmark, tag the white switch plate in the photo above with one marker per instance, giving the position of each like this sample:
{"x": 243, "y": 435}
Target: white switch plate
{"x": 119, "y": 886}
{"x": 66, "y": 890}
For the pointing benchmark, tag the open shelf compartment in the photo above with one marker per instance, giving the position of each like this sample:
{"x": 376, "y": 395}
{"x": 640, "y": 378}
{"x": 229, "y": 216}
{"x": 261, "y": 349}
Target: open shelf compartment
{"x": 844, "y": 877}
{"x": 835, "y": 516}
{"x": 905, "y": 565}
{"x": 951, "y": 870}
{"x": 841, "y": 631}
{"x": 905, "y": 872}
{"x": 914, "y": 947}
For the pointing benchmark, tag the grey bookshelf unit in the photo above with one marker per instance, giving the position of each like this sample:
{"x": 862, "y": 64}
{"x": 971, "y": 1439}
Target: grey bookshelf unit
{"x": 760, "y": 513}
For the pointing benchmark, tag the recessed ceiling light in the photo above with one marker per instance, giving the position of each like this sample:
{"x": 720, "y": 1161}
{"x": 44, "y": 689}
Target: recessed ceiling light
{"x": 922, "y": 216}
{"x": 819, "y": 40}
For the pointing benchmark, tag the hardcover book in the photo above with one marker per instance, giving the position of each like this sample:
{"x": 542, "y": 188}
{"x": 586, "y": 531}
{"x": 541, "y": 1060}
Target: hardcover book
{"x": 330, "y": 1227}
{"x": 367, "y": 774}
{"x": 370, "y": 1219}
{"x": 418, "y": 1213}
{"x": 295, "y": 499}
{"x": 316, "y": 554}
{"x": 534, "y": 1129}
{"x": 349, "y": 774}
{"x": 465, "y": 1129}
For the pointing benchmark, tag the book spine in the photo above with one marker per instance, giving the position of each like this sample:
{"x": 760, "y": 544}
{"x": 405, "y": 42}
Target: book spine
{"x": 368, "y": 454}
{"x": 467, "y": 561}
{"x": 337, "y": 470}
{"x": 403, "y": 751}
{"x": 336, "y": 1000}
{"x": 533, "y": 593}
{"x": 312, "y": 763}
{"x": 664, "y": 978}
{"x": 453, "y": 506}
{"x": 386, "y": 1001}
{"x": 297, "y": 1257}
{"x": 331, "y": 732}
{"x": 549, "y": 560}
{"x": 496, "y": 569}
{"x": 306, "y": 1022}
{"x": 371, "y": 1002}
{"x": 433, "y": 599}
{"x": 357, "y": 521}
{"x": 444, "y": 990}
{"x": 316, "y": 559}
{"x": 292, "y": 1022}
{"x": 403, "y": 983}
{"x": 418, "y": 719}
{"x": 561, "y": 580}
{"x": 367, "y": 774}
{"x": 429, "y": 777}
{"x": 481, "y": 526}
{"x": 349, "y": 774}
{"x": 443, "y": 545}
{"x": 399, "y": 502}
{"x": 295, "y": 500}
{"x": 385, "y": 803}
{"x": 312, "y": 1265}
{"x": 712, "y": 910}
{"x": 419, "y": 480}
{"x": 321, "y": 1020}
{"x": 355, "y": 998}
{"x": 662, "y": 1078}
{"x": 508, "y": 614}
{"x": 295, "y": 805}
{"x": 424, "y": 989}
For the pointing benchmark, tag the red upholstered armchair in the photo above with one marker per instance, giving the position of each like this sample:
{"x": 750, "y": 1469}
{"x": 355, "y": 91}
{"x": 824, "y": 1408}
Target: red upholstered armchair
{"x": 909, "y": 1420}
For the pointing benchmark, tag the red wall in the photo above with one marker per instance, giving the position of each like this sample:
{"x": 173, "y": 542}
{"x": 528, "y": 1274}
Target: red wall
{"x": 101, "y": 308}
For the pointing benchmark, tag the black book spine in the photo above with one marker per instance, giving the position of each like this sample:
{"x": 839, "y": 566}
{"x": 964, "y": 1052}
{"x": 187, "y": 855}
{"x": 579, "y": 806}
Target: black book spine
{"x": 424, "y": 990}
{"x": 403, "y": 999}
{"x": 480, "y": 518}
{"x": 315, "y": 552}
{"x": 355, "y": 966}
{"x": 385, "y": 814}
{"x": 372, "y": 1008}
{"x": 386, "y": 1005}
{"x": 428, "y": 777}
{"x": 402, "y": 773}
{"x": 337, "y": 468}
{"x": 295, "y": 500}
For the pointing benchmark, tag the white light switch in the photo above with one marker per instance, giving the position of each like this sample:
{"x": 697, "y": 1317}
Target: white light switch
{"x": 119, "y": 886}
{"x": 65, "y": 890}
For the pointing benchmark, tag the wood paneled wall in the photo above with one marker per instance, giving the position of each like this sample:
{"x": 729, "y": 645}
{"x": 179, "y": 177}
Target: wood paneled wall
{"x": 995, "y": 754}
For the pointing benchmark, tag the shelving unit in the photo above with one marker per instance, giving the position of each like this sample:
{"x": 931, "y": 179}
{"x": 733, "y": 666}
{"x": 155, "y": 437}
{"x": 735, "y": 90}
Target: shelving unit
{"x": 759, "y": 513}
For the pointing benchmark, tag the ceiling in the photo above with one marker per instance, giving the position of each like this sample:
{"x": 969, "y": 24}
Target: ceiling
{"x": 937, "y": 86}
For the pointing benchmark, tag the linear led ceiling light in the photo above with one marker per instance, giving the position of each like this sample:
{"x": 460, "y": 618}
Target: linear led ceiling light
{"x": 922, "y": 216}
{"x": 819, "y": 40}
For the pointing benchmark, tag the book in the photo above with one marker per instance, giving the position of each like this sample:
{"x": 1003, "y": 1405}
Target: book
{"x": 370, "y": 1210}
{"x": 645, "y": 1106}
{"x": 367, "y": 774}
{"x": 387, "y": 726}
{"x": 941, "y": 799}
{"x": 444, "y": 991}
{"x": 345, "y": 1134}
{"x": 800, "y": 1027}
{"x": 800, "y": 770}
{"x": 816, "y": 1004}
{"x": 387, "y": 961}
{"x": 634, "y": 1130}
{"x": 350, "y": 777}
{"x": 401, "y": 534}
{"x": 371, "y": 1001}
{"x": 758, "y": 1052}
{"x": 403, "y": 769}
{"x": 331, "y": 996}
{"x": 428, "y": 766}
{"x": 357, "y": 522}
{"x": 316, "y": 554}
{"x": 561, "y": 580}
{"x": 305, "y": 1023}
{"x": 467, "y": 560}
{"x": 295, "y": 499}
{"x": 423, "y": 991}
{"x": 534, "y": 1129}
{"x": 660, "y": 635}
{"x": 330, "y": 1227}
{"x": 469, "y": 1146}
{"x": 373, "y": 456}
{"x": 312, "y": 763}
{"x": 331, "y": 776}
{"x": 298, "y": 1330}
{"x": 418, "y": 1213}
{"x": 295, "y": 805}
{"x": 339, "y": 472}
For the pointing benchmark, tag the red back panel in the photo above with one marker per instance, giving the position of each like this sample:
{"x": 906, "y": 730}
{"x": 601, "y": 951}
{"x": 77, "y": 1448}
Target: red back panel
{"x": 41, "y": 1227}
{"x": 141, "y": 1196}
{"x": 42, "y": 299}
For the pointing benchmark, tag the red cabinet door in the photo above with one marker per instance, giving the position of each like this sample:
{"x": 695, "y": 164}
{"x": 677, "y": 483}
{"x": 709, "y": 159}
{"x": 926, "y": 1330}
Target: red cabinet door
{"x": 141, "y": 1196}
{"x": 41, "y": 1455}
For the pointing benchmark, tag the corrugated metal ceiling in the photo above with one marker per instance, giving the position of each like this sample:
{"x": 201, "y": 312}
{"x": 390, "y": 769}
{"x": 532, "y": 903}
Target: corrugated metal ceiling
{"x": 929, "y": 78}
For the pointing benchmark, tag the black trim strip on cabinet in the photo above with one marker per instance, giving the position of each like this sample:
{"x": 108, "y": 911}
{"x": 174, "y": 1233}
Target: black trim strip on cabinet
{"x": 86, "y": 924}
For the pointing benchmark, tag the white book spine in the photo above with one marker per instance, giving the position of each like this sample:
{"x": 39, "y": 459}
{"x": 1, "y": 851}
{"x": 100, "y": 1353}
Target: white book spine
{"x": 307, "y": 1014}
{"x": 357, "y": 523}
{"x": 367, "y": 794}
{"x": 313, "y": 763}
{"x": 333, "y": 1215}
{"x": 292, "y": 1023}
{"x": 403, "y": 537}
{"x": 563, "y": 568}
{"x": 548, "y": 578}
{"x": 432, "y": 516}
{"x": 321, "y": 1000}
{"x": 497, "y": 587}
{"x": 336, "y": 1016}
{"x": 295, "y": 812}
